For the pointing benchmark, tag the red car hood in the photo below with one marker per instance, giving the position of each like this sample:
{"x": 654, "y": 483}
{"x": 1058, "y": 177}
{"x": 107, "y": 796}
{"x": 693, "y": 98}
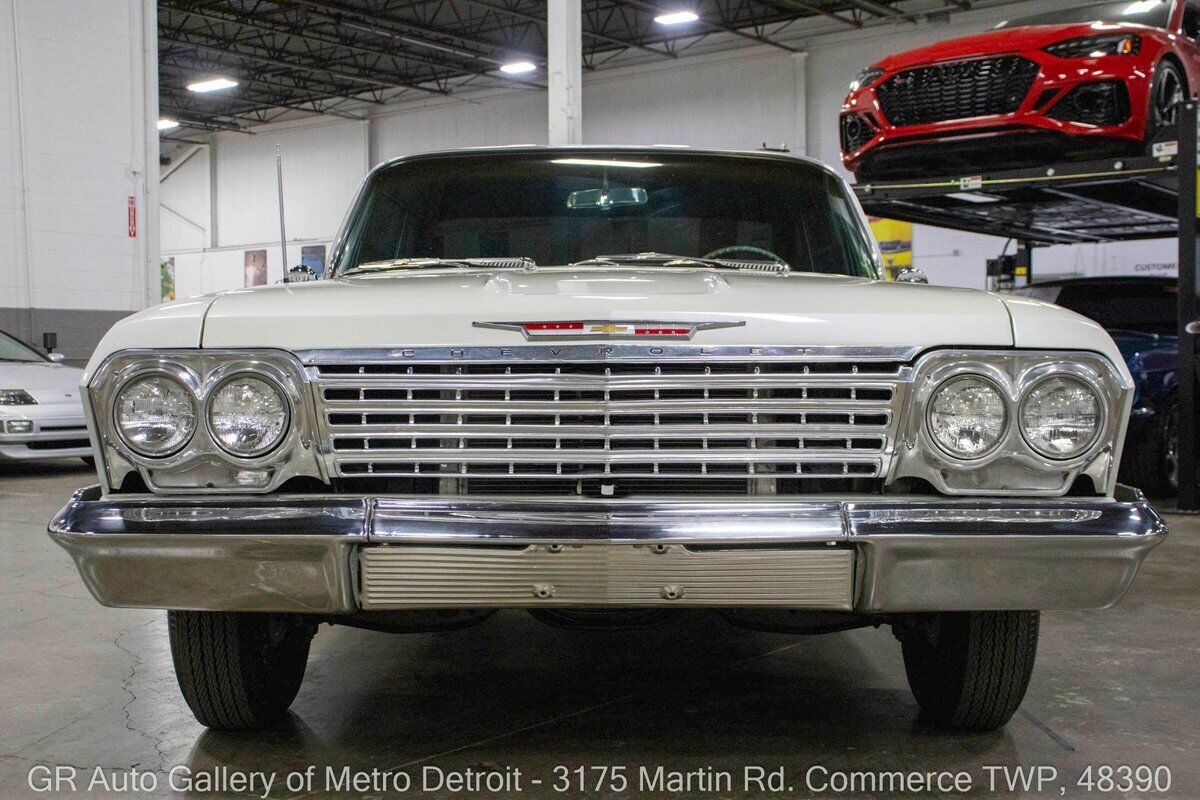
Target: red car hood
{"x": 1004, "y": 40}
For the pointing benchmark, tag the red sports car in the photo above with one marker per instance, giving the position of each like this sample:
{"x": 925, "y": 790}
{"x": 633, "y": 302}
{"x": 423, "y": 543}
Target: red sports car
{"x": 1095, "y": 80}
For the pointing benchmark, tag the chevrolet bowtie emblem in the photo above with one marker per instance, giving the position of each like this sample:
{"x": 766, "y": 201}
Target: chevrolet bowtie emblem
{"x": 608, "y": 329}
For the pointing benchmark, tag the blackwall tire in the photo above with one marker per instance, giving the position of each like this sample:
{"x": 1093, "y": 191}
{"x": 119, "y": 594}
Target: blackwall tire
{"x": 969, "y": 670}
{"x": 1168, "y": 93}
{"x": 1151, "y": 461}
{"x": 238, "y": 671}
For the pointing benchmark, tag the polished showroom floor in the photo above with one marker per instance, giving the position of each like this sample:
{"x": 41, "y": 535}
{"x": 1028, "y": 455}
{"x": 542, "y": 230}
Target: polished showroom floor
{"x": 90, "y": 686}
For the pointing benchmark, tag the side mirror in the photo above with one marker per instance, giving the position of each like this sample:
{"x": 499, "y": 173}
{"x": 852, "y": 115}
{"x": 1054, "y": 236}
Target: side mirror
{"x": 911, "y": 275}
{"x": 57, "y": 358}
{"x": 300, "y": 274}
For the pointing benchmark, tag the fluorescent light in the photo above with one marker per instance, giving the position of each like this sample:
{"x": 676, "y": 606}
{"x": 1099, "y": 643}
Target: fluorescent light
{"x": 600, "y": 162}
{"x": 211, "y": 85}
{"x": 676, "y": 17}
{"x": 517, "y": 67}
{"x": 165, "y": 124}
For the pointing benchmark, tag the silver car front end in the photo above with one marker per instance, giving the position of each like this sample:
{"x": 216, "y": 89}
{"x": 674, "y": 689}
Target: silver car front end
{"x": 611, "y": 476}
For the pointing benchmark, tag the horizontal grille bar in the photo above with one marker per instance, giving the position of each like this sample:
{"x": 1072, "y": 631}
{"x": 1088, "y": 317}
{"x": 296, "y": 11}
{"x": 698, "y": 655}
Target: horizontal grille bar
{"x": 645, "y": 469}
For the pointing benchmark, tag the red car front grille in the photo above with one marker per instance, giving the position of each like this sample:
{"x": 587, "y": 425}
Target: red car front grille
{"x": 957, "y": 90}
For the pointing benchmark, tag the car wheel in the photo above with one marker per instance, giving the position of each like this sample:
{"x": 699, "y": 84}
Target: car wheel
{"x": 1168, "y": 93}
{"x": 1151, "y": 461}
{"x": 969, "y": 670}
{"x": 238, "y": 671}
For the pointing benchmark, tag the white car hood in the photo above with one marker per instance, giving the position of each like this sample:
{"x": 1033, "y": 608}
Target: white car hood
{"x": 49, "y": 383}
{"x": 440, "y": 307}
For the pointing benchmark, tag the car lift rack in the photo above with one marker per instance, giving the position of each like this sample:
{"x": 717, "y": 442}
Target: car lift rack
{"x": 1112, "y": 200}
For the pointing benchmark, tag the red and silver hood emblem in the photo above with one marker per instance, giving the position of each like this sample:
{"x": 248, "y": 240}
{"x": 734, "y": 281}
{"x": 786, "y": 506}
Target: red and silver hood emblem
{"x": 608, "y": 329}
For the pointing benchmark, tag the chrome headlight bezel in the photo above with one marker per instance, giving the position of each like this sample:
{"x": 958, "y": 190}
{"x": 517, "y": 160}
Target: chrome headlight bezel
{"x": 1004, "y": 427}
{"x": 223, "y": 381}
{"x": 203, "y": 465}
{"x": 1070, "y": 378}
{"x": 182, "y": 380}
{"x": 1013, "y": 466}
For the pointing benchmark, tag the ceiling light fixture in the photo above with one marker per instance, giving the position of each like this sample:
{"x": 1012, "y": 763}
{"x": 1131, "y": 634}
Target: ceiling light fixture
{"x": 165, "y": 124}
{"x": 676, "y": 17}
{"x": 211, "y": 85}
{"x": 517, "y": 67}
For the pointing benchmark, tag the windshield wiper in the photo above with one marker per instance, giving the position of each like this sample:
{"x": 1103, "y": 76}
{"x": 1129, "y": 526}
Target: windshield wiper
{"x": 519, "y": 262}
{"x": 668, "y": 260}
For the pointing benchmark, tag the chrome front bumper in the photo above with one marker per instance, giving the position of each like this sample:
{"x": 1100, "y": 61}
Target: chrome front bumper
{"x": 338, "y": 555}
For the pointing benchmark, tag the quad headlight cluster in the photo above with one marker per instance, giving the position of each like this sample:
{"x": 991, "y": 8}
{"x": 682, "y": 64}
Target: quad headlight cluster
{"x": 204, "y": 420}
{"x": 1013, "y": 422}
{"x": 156, "y": 415}
{"x": 1059, "y": 417}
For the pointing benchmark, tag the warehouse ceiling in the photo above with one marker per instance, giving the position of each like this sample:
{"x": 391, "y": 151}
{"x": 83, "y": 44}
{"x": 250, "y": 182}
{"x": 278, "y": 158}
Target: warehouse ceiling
{"x": 342, "y": 57}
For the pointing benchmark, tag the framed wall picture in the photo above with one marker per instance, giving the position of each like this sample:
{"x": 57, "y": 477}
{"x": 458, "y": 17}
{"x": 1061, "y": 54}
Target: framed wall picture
{"x": 255, "y": 268}
{"x": 313, "y": 257}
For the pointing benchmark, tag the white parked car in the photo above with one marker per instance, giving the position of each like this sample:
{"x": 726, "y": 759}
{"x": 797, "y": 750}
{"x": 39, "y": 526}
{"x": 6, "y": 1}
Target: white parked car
{"x": 603, "y": 384}
{"x": 41, "y": 415}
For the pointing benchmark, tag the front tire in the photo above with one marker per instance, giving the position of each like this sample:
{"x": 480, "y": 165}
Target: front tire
{"x": 238, "y": 671}
{"x": 1151, "y": 460}
{"x": 1168, "y": 93}
{"x": 969, "y": 670}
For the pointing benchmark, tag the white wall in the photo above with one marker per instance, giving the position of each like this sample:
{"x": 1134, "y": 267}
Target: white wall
{"x": 185, "y": 201}
{"x": 74, "y": 101}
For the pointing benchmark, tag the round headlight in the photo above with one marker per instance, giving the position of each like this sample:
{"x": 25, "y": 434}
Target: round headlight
{"x": 1060, "y": 417}
{"x": 967, "y": 417}
{"x": 155, "y": 415}
{"x": 247, "y": 416}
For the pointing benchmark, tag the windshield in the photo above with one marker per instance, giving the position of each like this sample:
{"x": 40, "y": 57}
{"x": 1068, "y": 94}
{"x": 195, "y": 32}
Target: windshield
{"x": 561, "y": 207}
{"x": 1154, "y": 13}
{"x": 12, "y": 349}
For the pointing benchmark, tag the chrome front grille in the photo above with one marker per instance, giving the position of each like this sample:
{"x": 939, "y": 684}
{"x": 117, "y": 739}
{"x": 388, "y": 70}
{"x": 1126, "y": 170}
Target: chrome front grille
{"x": 604, "y": 423}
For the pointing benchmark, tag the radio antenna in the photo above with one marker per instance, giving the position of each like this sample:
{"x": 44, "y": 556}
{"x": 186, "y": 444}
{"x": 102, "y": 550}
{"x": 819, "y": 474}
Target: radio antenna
{"x": 282, "y": 231}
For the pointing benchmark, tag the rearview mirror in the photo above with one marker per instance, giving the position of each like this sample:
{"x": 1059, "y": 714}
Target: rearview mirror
{"x": 608, "y": 197}
{"x": 57, "y": 358}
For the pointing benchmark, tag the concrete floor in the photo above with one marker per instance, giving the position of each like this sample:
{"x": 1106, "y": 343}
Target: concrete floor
{"x": 90, "y": 686}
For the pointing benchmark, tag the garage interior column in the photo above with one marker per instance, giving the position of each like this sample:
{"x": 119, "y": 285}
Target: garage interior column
{"x": 564, "y": 46}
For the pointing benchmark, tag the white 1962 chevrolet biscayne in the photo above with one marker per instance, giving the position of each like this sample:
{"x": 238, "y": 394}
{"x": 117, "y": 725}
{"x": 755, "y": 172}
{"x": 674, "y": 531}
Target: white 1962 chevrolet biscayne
{"x": 603, "y": 384}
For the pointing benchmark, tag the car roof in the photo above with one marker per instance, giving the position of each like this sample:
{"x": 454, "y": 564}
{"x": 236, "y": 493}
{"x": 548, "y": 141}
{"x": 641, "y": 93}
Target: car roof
{"x": 659, "y": 149}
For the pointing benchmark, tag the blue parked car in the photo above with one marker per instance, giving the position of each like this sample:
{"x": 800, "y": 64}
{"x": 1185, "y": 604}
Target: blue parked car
{"x": 1141, "y": 315}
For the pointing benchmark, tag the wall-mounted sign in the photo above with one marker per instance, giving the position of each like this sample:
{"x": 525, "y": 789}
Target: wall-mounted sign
{"x": 132, "y": 217}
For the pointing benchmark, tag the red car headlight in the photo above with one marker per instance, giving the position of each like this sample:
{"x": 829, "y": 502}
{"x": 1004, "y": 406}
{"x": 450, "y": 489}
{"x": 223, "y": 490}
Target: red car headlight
{"x": 866, "y": 78}
{"x": 1113, "y": 44}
